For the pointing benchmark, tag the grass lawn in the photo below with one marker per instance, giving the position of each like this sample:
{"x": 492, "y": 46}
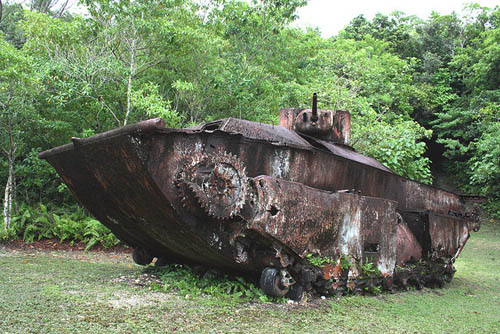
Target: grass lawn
{"x": 50, "y": 292}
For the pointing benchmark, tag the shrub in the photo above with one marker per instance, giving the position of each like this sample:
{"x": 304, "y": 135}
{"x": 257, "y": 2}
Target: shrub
{"x": 69, "y": 223}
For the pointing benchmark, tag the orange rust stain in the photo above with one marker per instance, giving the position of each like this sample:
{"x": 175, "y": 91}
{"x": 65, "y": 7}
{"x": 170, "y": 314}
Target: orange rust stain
{"x": 330, "y": 270}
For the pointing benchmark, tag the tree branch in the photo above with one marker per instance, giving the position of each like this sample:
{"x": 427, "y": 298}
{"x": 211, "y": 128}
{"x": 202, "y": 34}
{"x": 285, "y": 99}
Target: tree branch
{"x": 4, "y": 150}
{"x": 62, "y": 9}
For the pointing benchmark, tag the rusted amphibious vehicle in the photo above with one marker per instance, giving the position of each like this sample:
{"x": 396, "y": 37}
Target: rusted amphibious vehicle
{"x": 292, "y": 203}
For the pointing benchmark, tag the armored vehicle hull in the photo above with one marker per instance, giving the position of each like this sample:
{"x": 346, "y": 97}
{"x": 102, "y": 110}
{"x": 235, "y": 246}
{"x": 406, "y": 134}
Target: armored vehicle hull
{"x": 306, "y": 213}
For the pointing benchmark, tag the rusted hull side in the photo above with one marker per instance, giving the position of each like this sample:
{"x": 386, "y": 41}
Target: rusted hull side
{"x": 314, "y": 167}
{"x": 134, "y": 194}
{"x": 111, "y": 179}
{"x": 324, "y": 223}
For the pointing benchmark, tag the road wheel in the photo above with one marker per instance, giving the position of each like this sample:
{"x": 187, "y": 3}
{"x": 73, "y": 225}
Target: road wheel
{"x": 270, "y": 283}
{"x": 142, "y": 256}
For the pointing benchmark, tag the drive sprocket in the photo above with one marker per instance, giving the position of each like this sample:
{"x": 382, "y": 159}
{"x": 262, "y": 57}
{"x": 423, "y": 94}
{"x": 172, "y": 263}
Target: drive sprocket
{"x": 218, "y": 181}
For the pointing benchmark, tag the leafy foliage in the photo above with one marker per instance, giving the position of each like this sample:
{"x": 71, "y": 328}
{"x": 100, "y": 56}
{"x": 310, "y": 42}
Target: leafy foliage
{"x": 148, "y": 101}
{"x": 42, "y": 222}
{"x": 190, "y": 283}
{"x": 12, "y": 13}
{"x": 396, "y": 145}
{"x": 455, "y": 65}
{"x": 317, "y": 260}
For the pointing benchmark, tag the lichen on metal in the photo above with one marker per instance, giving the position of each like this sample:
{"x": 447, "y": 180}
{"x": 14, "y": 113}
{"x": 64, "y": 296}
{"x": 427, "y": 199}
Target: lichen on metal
{"x": 265, "y": 200}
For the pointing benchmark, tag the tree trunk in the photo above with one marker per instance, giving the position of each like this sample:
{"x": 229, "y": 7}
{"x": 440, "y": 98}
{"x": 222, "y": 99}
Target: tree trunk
{"x": 130, "y": 78}
{"x": 10, "y": 189}
{"x": 10, "y": 186}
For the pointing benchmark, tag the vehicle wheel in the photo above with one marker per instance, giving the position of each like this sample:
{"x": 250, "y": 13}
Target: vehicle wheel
{"x": 142, "y": 256}
{"x": 296, "y": 292}
{"x": 162, "y": 261}
{"x": 270, "y": 283}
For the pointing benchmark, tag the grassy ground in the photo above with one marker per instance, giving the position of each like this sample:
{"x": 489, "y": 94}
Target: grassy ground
{"x": 60, "y": 292}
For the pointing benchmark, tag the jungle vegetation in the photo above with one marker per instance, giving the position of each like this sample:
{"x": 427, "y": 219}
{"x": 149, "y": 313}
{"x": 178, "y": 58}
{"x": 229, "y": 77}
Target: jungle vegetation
{"x": 424, "y": 93}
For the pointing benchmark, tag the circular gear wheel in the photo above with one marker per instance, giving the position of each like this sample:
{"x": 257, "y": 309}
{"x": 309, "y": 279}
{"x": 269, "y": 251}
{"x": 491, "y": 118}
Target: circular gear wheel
{"x": 218, "y": 181}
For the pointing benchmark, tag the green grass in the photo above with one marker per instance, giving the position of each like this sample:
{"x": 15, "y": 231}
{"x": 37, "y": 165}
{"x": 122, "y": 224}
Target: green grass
{"x": 46, "y": 294}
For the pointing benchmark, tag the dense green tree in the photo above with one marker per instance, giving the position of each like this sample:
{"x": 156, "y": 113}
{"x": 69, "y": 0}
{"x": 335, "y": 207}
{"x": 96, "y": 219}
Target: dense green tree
{"x": 79, "y": 77}
{"x": 16, "y": 112}
{"x": 454, "y": 65}
{"x": 469, "y": 128}
{"x": 10, "y": 15}
{"x": 139, "y": 34}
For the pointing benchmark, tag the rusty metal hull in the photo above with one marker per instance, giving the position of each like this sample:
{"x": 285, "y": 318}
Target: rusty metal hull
{"x": 244, "y": 196}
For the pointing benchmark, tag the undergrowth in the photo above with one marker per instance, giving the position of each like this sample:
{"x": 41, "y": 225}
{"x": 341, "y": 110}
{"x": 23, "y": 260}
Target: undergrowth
{"x": 492, "y": 207}
{"x": 71, "y": 224}
{"x": 193, "y": 283}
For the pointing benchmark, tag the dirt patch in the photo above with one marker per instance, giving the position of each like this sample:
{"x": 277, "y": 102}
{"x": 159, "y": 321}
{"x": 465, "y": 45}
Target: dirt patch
{"x": 127, "y": 300}
{"x": 53, "y": 248}
{"x": 144, "y": 279}
{"x": 54, "y": 244}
